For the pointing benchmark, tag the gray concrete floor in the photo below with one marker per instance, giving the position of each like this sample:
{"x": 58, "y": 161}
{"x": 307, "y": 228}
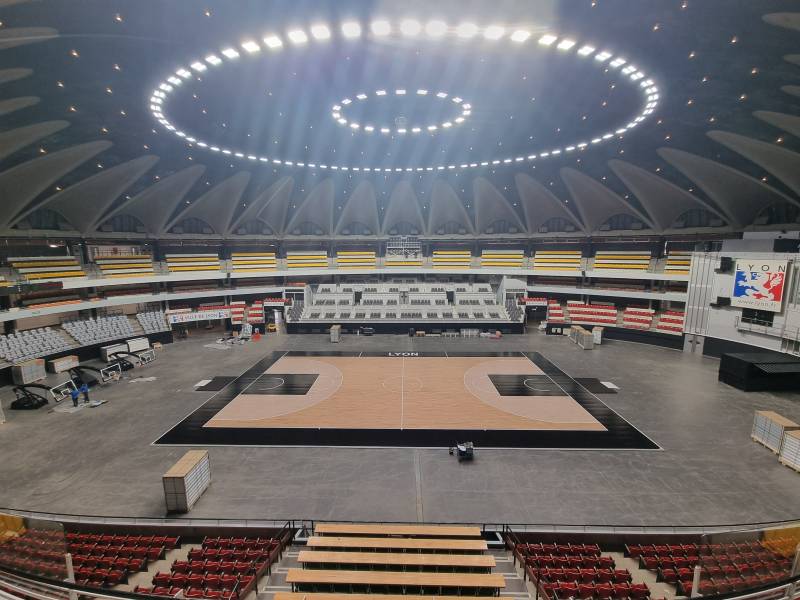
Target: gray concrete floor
{"x": 101, "y": 461}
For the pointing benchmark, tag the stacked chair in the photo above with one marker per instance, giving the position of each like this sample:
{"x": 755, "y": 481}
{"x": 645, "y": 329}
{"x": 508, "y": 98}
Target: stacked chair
{"x": 152, "y": 321}
{"x": 32, "y": 343}
{"x": 102, "y": 329}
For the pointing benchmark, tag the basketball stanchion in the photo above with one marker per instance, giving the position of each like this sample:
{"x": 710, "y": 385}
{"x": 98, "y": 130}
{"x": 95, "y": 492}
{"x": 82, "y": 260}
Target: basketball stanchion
{"x": 146, "y": 357}
{"x": 111, "y": 373}
{"x": 62, "y": 390}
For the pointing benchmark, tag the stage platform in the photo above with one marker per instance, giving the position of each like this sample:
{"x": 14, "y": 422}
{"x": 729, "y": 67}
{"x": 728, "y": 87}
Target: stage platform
{"x": 406, "y": 399}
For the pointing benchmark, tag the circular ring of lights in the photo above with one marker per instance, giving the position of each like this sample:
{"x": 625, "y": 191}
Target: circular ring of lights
{"x": 409, "y": 28}
{"x": 337, "y": 112}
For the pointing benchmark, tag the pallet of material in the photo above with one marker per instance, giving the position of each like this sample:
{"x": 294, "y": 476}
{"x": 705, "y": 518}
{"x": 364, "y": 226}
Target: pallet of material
{"x": 28, "y": 371}
{"x": 186, "y": 481}
{"x": 790, "y": 450}
{"x": 769, "y": 429}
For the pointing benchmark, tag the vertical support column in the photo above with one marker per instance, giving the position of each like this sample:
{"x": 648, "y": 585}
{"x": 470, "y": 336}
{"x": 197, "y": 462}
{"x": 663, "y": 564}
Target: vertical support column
{"x": 696, "y": 581}
{"x": 73, "y": 595}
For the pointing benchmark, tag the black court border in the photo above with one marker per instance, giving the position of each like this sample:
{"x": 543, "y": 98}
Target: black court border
{"x": 619, "y": 434}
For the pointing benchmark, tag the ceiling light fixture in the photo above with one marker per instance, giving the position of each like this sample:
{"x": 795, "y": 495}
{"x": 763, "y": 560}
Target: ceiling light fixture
{"x": 494, "y": 32}
{"x": 410, "y": 28}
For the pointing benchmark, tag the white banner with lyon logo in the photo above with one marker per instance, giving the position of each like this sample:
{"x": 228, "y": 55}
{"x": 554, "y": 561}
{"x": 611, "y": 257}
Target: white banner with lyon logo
{"x": 759, "y": 284}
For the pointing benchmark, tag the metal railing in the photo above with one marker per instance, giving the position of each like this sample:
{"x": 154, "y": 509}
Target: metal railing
{"x": 560, "y": 528}
{"x": 791, "y": 334}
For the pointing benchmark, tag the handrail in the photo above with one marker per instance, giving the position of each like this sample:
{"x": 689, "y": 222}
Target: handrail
{"x": 787, "y": 590}
{"x": 767, "y": 328}
{"x": 280, "y": 524}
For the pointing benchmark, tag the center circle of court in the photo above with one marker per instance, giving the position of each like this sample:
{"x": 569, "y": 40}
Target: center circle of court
{"x": 271, "y": 383}
{"x": 527, "y": 384}
{"x": 399, "y": 383}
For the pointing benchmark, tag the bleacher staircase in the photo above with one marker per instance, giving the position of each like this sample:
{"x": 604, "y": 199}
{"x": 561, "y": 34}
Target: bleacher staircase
{"x": 413, "y": 561}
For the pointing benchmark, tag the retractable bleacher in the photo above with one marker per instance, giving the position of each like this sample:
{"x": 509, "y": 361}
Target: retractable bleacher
{"x": 678, "y": 263}
{"x": 592, "y": 314}
{"x": 353, "y": 259}
{"x": 557, "y": 260}
{"x": 128, "y": 265}
{"x": 307, "y": 259}
{"x": 46, "y": 268}
{"x": 253, "y": 262}
{"x": 502, "y": 258}
{"x": 671, "y": 321}
{"x": 631, "y": 260}
{"x": 451, "y": 259}
{"x": 178, "y": 263}
{"x": 385, "y": 559}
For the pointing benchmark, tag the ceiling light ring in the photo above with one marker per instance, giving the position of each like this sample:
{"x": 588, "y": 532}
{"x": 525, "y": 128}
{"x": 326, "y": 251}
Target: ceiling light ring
{"x": 337, "y": 112}
{"x": 352, "y": 29}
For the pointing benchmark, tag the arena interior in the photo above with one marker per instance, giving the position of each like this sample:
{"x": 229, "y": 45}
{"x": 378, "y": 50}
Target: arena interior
{"x": 356, "y": 300}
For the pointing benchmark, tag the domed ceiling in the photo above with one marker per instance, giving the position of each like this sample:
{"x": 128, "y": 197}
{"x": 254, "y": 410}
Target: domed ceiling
{"x": 351, "y": 119}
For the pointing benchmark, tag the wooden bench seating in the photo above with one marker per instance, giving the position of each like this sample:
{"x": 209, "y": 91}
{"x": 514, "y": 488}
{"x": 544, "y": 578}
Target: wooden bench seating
{"x": 367, "y": 529}
{"x": 324, "y": 596}
{"x": 398, "y": 560}
{"x": 305, "y": 578}
{"x": 402, "y": 544}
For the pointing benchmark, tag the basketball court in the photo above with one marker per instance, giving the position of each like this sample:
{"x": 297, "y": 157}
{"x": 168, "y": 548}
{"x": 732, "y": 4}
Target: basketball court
{"x": 406, "y": 399}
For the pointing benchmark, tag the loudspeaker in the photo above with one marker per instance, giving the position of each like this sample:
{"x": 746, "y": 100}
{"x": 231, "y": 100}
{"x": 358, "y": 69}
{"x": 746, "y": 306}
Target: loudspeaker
{"x": 721, "y": 301}
{"x": 725, "y": 265}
